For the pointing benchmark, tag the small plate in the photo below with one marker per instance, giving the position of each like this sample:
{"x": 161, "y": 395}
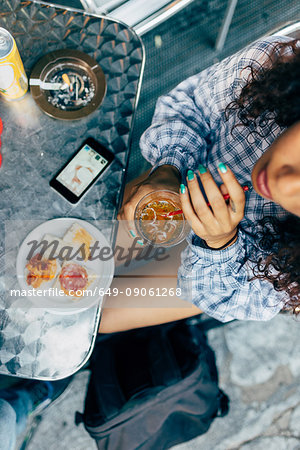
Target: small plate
{"x": 65, "y": 304}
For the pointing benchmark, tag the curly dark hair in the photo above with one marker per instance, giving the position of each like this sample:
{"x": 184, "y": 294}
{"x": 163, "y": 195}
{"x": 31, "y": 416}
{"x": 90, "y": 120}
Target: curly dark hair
{"x": 280, "y": 239}
{"x": 272, "y": 96}
{"x": 272, "y": 92}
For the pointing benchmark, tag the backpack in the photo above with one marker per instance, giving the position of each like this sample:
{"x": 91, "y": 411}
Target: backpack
{"x": 152, "y": 388}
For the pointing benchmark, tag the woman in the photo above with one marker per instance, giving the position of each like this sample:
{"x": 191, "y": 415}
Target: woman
{"x": 236, "y": 122}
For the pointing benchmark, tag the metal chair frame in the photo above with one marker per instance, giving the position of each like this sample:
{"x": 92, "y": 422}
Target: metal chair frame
{"x": 110, "y": 7}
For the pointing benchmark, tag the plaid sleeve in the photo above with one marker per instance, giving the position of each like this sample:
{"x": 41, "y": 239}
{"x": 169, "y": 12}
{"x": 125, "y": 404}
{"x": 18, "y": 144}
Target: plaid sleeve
{"x": 179, "y": 129}
{"x": 187, "y": 119}
{"x": 218, "y": 282}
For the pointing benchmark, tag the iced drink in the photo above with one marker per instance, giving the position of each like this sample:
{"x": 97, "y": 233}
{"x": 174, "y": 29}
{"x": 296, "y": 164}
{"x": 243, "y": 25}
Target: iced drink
{"x": 153, "y": 223}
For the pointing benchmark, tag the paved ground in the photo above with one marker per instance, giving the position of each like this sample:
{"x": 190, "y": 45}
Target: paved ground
{"x": 259, "y": 368}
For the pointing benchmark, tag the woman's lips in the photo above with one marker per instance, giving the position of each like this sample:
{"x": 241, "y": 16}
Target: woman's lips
{"x": 262, "y": 183}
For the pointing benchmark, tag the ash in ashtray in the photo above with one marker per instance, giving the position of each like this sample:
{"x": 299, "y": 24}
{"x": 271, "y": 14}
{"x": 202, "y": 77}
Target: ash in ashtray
{"x": 76, "y": 91}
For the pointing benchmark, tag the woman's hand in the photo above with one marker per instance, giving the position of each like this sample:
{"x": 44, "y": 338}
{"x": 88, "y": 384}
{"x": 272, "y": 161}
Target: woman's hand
{"x": 216, "y": 224}
{"x": 164, "y": 177}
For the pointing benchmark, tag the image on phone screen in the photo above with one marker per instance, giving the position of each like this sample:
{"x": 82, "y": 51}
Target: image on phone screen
{"x": 82, "y": 170}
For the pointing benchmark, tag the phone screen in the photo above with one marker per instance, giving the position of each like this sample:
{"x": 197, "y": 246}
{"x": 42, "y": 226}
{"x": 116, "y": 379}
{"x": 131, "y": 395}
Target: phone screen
{"x": 82, "y": 170}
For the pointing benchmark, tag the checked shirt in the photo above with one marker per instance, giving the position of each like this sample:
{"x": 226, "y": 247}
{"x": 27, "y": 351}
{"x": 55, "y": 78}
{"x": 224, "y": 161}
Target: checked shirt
{"x": 189, "y": 127}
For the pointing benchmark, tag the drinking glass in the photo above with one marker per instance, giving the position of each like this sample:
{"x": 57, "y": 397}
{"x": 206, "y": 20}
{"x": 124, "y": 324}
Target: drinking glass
{"x": 152, "y": 222}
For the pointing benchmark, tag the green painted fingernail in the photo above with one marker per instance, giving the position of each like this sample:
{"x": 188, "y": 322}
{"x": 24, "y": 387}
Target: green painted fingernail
{"x": 132, "y": 233}
{"x": 222, "y": 168}
{"x": 202, "y": 169}
{"x": 182, "y": 188}
{"x": 140, "y": 242}
{"x": 190, "y": 175}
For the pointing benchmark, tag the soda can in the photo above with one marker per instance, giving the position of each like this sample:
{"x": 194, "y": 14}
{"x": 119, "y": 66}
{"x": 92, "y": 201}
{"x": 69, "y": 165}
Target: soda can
{"x": 13, "y": 79}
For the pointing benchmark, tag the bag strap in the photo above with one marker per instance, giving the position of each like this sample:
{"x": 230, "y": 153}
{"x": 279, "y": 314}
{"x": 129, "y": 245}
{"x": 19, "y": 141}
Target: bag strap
{"x": 163, "y": 364}
{"x": 223, "y": 404}
{"x": 206, "y": 322}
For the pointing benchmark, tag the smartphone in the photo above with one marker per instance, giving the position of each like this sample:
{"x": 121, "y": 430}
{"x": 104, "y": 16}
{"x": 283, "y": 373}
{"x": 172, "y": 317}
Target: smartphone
{"x": 76, "y": 177}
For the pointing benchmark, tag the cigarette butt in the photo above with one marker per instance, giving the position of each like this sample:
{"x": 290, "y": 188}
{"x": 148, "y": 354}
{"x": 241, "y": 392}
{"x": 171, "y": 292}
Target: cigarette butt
{"x": 66, "y": 79}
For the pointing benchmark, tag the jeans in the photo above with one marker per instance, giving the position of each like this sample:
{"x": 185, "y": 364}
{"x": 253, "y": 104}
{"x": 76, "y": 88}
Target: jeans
{"x": 15, "y": 406}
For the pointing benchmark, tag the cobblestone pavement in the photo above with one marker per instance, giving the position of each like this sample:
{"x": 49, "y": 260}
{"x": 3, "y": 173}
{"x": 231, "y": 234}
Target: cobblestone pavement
{"x": 259, "y": 368}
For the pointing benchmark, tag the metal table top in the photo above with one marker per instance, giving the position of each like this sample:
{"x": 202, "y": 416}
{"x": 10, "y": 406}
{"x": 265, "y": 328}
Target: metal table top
{"x": 35, "y": 343}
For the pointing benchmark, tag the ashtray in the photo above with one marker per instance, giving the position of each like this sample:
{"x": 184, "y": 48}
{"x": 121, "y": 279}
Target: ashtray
{"x": 67, "y": 84}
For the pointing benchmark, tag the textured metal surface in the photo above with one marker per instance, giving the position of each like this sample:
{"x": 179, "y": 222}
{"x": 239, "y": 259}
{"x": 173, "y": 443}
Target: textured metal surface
{"x": 34, "y": 147}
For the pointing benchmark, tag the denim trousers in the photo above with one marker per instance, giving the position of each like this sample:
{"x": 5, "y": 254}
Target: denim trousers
{"x": 15, "y": 406}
